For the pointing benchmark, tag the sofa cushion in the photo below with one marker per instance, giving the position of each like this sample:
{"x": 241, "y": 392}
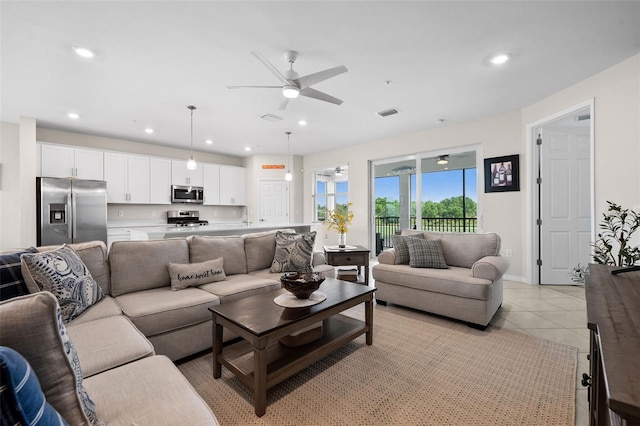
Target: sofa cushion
{"x": 142, "y": 265}
{"x": 400, "y": 246}
{"x": 293, "y": 251}
{"x": 260, "y": 248}
{"x": 107, "y": 307}
{"x": 108, "y": 343}
{"x": 426, "y": 253}
{"x": 238, "y": 286}
{"x": 32, "y": 325}
{"x": 151, "y": 391}
{"x": 230, "y": 248}
{"x": 23, "y": 401}
{"x": 62, "y": 273}
{"x": 11, "y": 280}
{"x": 455, "y": 281}
{"x": 160, "y": 310}
{"x": 94, "y": 256}
{"x": 464, "y": 249}
{"x": 185, "y": 275}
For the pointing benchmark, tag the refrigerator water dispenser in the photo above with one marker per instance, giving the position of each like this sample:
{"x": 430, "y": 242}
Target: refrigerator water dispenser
{"x": 57, "y": 213}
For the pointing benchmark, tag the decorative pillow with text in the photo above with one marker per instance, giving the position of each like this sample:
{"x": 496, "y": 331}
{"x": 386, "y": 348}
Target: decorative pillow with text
{"x": 185, "y": 275}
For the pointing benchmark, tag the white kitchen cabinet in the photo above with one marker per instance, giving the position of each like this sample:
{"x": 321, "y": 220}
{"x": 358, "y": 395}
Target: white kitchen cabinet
{"x": 159, "y": 180}
{"x": 64, "y": 161}
{"x": 180, "y": 175}
{"x": 127, "y": 178}
{"x": 211, "y": 183}
{"x": 232, "y": 186}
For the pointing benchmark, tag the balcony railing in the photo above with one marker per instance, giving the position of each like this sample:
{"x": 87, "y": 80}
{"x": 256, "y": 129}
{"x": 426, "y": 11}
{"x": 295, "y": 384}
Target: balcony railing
{"x": 387, "y": 226}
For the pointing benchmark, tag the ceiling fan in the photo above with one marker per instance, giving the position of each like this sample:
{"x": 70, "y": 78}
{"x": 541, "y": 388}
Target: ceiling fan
{"x": 294, "y": 85}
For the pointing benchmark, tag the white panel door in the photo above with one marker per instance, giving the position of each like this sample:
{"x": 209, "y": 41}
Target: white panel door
{"x": 565, "y": 201}
{"x": 274, "y": 202}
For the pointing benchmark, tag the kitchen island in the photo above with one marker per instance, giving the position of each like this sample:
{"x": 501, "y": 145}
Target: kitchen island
{"x": 162, "y": 232}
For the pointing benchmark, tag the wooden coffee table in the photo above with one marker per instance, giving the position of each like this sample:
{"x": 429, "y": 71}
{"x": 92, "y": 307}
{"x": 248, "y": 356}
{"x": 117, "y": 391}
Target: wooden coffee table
{"x": 259, "y": 360}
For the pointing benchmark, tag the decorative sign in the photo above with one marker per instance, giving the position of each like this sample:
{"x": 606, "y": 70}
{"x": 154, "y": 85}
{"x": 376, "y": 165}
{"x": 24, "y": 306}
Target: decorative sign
{"x": 273, "y": 166}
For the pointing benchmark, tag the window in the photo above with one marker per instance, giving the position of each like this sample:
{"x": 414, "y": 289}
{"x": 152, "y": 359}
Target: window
{"x": 331, "y": 190}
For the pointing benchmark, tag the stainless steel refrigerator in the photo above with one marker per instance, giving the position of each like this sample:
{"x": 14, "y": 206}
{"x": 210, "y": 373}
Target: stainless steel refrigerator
{"x": 71, "y": 210}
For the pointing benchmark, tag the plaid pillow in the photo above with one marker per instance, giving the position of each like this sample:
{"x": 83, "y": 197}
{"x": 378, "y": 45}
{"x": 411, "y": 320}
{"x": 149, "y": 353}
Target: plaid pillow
{"x": 11, "y": 279}
{"x": 426, "y": 254}
{"x": 401, "y": 249}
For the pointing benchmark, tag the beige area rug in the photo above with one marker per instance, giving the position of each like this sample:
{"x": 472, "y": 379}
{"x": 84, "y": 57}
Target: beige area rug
{"x": 420, "y": 370}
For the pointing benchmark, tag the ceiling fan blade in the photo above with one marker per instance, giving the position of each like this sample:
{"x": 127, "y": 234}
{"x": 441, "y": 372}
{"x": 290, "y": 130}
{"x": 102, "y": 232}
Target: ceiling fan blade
{"x": 311, "y": 79}
{"x": 254, "y": 87}
{"x": 270, "y": 66}
{"x": 316, "y": 94}
{"x": 283, "y": 104}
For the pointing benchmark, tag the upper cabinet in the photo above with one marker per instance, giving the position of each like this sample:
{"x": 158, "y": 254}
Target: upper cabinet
{"x": 232, "y": 186}
{"x": 159, "y": 180}
{"x": 127, "y": 178}
{"x": 64, "y": 161}
{"x": 180, "y": 175}
{"x": 211, "y": 183}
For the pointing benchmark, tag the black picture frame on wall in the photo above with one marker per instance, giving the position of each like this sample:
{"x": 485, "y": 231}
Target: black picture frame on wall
{"x": 502, "y": 174}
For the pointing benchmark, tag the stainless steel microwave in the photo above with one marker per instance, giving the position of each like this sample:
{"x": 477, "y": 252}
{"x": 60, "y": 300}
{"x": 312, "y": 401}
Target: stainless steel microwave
{"x": 187, "y": 194}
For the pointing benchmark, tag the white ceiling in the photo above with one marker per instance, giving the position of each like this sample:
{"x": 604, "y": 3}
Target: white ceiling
{"x": 156, "y": 57}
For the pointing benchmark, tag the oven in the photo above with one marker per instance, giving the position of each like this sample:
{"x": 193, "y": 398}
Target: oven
{"x": 185, "y": 218}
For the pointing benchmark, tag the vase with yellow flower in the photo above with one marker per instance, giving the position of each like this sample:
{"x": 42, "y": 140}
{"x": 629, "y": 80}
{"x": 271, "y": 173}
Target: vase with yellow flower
{"x": 339, "y": 219}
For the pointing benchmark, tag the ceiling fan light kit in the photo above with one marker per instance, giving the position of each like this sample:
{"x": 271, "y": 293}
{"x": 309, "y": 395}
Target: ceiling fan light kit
{"x": 292, "y": 85}
{"x": 191, "y": 163}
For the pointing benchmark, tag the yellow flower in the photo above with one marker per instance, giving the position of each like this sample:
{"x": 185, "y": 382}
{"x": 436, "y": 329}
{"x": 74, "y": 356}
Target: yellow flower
{"x": 339, "y": 218}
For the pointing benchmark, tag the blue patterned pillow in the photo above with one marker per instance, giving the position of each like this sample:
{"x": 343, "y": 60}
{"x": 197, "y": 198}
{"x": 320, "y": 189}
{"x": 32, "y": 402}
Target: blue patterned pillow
{"x": 22, "y": 399}
{"x": 11, "y": 279}
{"x": 293, "y": 251}
{"x": 63, "y": 273}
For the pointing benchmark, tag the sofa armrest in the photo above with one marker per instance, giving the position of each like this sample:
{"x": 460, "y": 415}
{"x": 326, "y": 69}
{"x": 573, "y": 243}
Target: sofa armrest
{"x": 318, "y": 259}
{"x": 490, "y": 267}
{"x": 387, "y": 257}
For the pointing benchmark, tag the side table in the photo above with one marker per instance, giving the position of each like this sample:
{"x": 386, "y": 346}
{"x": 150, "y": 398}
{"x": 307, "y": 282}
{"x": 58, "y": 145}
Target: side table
{"x": 349, "y": 256}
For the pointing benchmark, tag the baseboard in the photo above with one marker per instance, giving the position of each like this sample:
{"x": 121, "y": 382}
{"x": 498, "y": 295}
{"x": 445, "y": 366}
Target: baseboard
{"x": 516, "y": 278}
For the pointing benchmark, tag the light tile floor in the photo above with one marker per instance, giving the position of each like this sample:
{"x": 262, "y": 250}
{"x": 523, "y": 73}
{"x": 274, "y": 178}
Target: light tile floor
{"x": 556, "y": 313}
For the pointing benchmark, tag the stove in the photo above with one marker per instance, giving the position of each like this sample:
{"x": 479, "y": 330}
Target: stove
{"x": 185, "y": 218}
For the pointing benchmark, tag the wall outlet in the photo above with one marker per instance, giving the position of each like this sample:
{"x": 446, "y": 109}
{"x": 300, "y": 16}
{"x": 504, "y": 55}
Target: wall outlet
{"x": 326, "y": 236}
{"x": 120, "y": 213}
{"x": 507, "y": 253}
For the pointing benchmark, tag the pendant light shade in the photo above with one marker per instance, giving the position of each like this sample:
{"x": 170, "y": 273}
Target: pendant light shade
{"x": 288, "y": 176}
{"x": 191, "y": 163}
{"x": 442, "y": 159}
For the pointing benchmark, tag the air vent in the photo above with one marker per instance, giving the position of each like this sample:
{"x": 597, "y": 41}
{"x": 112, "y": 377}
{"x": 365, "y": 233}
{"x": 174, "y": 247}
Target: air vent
{"x": 387, "y": 112}
{"x": 583, "y": 117}
{"x": 271, "y": 117}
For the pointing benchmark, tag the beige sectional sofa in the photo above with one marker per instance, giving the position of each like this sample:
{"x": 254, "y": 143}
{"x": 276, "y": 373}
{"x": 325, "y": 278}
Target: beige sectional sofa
{"x": 469, "y": 290}
{"x": 125, "y": 341}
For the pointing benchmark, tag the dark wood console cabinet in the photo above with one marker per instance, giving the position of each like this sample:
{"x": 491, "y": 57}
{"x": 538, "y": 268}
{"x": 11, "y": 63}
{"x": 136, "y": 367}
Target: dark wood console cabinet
{"x": 613, "y": 317}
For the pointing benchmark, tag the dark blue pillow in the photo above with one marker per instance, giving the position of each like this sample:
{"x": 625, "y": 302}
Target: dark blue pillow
{"x": 22, "y": 398}
{"x": 11, "y": 280}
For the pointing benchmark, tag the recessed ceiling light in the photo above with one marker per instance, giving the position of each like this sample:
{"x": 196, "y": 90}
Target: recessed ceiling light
{"x": 84, "y": 52}
{"x": 148, "y": 130}
{"x": 388, "y": 82}
{"x": 247, "y": 148}
{"x": 499, "y": 59}
{"x": 208, "y": 141}
{"x": 302, "y": 122}
{"x": 73, "y": 115}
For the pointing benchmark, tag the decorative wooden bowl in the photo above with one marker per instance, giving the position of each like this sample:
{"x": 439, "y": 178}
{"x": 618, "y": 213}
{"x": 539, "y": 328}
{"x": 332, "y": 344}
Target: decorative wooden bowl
{"x": 300, "y": 285}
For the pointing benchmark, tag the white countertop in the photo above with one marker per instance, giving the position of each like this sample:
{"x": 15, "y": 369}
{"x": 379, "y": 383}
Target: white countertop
{"x": 161, "y": 232}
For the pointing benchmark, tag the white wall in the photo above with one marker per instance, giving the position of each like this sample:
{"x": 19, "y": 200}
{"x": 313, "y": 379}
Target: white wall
{"x": 617, "y": 158}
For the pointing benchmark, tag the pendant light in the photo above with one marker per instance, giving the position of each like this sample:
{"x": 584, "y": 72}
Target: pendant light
{"x": 191, "y": 163}
{"x": 288, "y": 176}
{"x": 442, "y": 159}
